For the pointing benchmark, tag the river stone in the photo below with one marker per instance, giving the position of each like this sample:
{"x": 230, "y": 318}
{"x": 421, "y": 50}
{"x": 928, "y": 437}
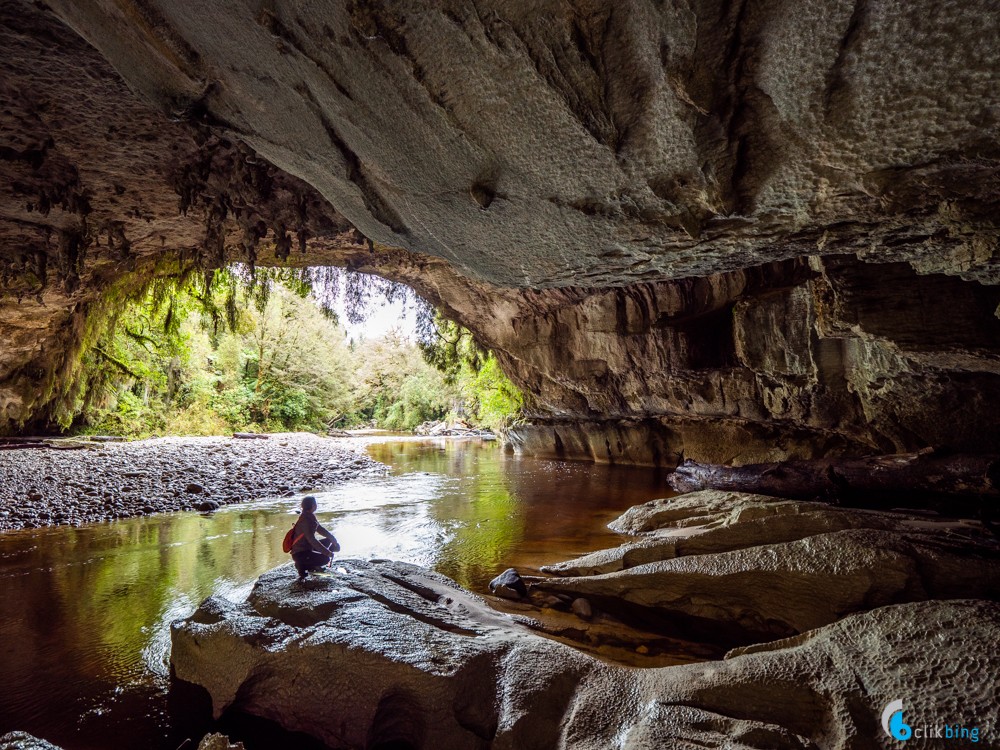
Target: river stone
{"x": 702, "y": 508}
{"x": 582, "y": 608}
{"x": 206, "y": 506}
{"x": 780, "y": 589}
{"x": 509, "y": 585}
{"x": 24, "y": 741}
{"x": 193, "y": 488}
{"x": 391, "y": 652}
{"x": 217, "y": 741}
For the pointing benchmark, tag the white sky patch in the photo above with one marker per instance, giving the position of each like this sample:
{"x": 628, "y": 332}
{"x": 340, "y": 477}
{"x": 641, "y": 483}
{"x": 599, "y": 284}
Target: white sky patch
{"x": 382, "y": 317}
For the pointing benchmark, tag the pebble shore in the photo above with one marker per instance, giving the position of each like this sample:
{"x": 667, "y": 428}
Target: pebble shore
{"x": 104, "y": 481}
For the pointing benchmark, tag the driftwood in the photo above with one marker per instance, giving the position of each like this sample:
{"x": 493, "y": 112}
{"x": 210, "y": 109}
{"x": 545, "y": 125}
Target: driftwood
{"x": 17, "y": 443}
{"x": 871, "y": 478}
{"x": 7, "y": 444}
{"x": 250, "y": 436}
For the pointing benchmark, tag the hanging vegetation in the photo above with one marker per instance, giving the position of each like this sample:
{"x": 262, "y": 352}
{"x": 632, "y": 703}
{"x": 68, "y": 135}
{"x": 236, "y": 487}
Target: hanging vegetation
{"x": 264, "y": 350}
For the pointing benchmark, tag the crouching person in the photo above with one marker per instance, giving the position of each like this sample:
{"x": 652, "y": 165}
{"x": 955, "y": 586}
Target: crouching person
{"x": 309, "y": 552}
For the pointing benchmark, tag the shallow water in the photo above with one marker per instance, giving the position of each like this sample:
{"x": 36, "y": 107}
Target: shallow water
{"x": 85, "y": 612}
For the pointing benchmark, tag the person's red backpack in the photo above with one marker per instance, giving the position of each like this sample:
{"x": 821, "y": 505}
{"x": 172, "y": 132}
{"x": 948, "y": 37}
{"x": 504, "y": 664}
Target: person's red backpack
{"x": 290, "y": 539}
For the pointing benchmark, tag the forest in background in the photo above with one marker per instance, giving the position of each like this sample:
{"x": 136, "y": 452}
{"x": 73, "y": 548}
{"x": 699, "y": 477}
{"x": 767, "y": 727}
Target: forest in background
{"x": 265, "y": 352}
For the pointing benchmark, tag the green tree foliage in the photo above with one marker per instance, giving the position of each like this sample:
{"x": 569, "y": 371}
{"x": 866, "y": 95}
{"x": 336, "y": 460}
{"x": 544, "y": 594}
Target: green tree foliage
{"x": 489, "y": 397}
{"x": 232, "y": 351}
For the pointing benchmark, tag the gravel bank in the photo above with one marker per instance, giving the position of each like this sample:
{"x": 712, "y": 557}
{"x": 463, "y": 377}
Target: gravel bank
{"x": 46, "y": 487}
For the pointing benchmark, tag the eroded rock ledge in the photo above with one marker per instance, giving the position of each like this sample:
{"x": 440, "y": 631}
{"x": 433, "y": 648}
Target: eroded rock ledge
{"x": 384, "y": 652}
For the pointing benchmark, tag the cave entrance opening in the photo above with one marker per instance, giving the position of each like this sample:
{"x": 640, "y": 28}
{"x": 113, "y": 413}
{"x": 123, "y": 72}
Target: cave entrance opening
{"x": 283, "y": 349}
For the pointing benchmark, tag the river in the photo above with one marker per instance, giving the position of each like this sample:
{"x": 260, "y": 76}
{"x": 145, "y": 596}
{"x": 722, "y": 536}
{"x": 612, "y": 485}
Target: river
{"x": 85, "y": 611}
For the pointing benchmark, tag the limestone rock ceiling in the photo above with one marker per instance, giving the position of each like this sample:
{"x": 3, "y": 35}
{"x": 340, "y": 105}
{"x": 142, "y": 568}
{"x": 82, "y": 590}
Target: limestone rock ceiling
{"x": 547, "y": 143}
{"x": 729, "y": 232}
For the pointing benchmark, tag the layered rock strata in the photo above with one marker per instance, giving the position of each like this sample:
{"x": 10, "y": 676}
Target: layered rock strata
{"x": 750, "y": 567}
{"x": 101, "y": 193}
{"x": 802, "y": 359}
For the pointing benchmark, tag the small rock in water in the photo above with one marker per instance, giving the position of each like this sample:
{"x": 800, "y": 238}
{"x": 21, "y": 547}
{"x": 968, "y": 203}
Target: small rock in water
{"x": 582, "y": 608}
{"x": 194, "y": 488}
{"x": 206, "y": 505}
{"x": 509, "y": 585}
{"x": 216, "y": 741}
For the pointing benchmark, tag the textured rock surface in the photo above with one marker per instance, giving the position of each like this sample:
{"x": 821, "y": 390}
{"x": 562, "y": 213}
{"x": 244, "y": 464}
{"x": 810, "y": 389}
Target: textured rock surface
{"x": 24, "y": 741}
{"x": 217, "y": 741}
{"x": 781, "y": 589}
{"x": 726, "y": 562}
{"x": 508, "y": 585}
{"x": 543, "y": 144}
{"x": 723, "y": 231}
{"x": 100, "y": 193}
{"x": 389, "y": 652}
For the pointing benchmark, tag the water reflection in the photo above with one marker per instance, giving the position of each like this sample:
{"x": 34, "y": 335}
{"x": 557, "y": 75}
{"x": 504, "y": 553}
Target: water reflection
{"x": 85, "y": 612}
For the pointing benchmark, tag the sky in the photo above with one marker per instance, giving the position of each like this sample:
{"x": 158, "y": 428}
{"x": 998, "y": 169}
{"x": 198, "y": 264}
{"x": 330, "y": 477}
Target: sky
{"x": 381, "y": 318}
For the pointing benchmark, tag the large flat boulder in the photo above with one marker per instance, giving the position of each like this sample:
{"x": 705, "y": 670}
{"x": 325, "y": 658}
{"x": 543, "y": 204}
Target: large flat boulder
{"x": 725, "y": 562}
{"x": 387, "y": 652}
{"x": 781, "y": 589}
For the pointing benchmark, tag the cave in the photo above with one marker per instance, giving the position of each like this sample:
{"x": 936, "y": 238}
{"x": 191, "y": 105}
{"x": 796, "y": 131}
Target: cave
{"x": 747, "y": 235}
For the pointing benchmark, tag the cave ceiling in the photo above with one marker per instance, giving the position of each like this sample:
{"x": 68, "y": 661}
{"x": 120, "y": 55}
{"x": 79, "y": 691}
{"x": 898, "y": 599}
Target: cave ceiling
{"x": 650, "y": 210}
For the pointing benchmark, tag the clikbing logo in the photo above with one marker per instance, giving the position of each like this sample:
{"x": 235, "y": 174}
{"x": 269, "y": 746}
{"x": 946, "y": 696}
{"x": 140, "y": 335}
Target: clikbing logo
{"x": 892, "y": 721}
{"x": 894, "y": 726}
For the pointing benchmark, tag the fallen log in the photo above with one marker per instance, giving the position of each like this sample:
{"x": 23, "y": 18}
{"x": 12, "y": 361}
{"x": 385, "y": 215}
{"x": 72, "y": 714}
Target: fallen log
{"x": 18, "y": 443}
{"x": 873, "y": 477}
{"x": 250, "y": 436}
{"x": 7, "y": 445}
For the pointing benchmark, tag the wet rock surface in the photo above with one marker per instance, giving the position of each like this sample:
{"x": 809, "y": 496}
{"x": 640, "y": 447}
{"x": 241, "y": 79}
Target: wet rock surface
{"x": 101, "y": 193}
{"x": 387, "y": 652}
{"x": 508, "y": 585}
{"x": 744, "y": 567}
{"x": 104, "y": 481}
{"x": 24, "y": 741}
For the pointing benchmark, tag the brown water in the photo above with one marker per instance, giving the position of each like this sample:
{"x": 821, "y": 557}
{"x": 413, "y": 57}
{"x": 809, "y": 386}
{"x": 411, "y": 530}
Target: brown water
{"x": 85, "y": 612}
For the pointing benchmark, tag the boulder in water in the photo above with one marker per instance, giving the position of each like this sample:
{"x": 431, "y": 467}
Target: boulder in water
{"x": 509, "y": 585}
{"x": 24, "y": 741}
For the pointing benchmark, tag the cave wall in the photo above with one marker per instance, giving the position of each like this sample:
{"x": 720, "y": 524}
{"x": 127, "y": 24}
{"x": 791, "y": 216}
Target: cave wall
{"x": 803, "y": 358}
{"x": 100, "y": 193}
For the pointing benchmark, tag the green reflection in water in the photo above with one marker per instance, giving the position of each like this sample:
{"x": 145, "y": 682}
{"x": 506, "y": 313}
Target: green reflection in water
{"x": 85, "y": 612}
